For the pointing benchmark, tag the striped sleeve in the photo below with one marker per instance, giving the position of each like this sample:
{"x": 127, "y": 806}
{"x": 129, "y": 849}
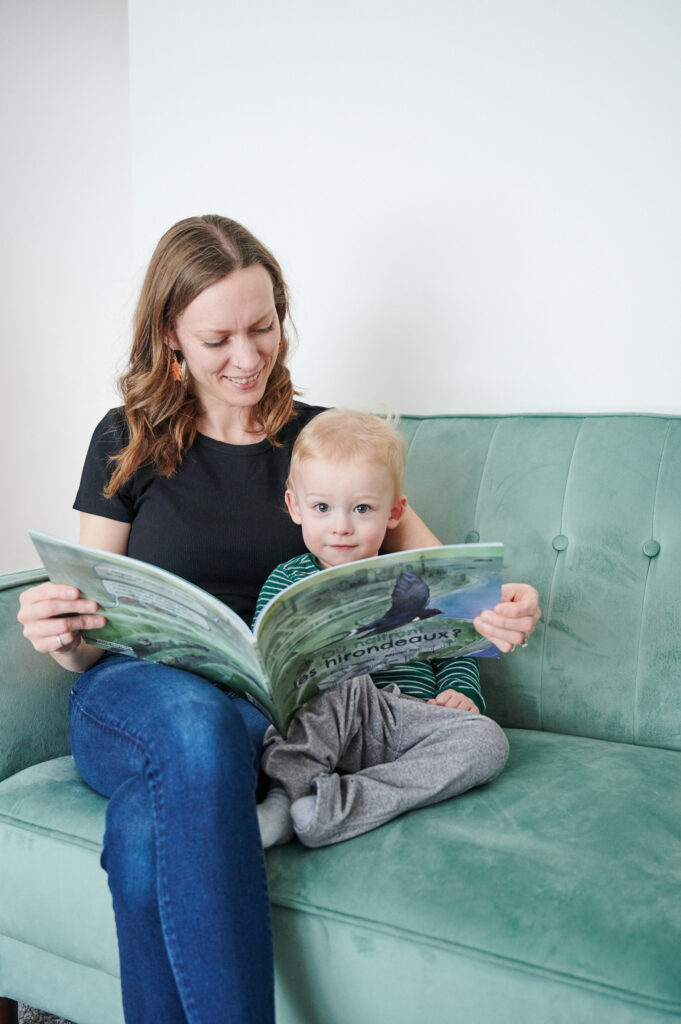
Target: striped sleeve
{"x": 416, "y": 679}
{"x": 426, "y": 679}
{"x": 277, "y": 581}
{"x": 462, "y": 674}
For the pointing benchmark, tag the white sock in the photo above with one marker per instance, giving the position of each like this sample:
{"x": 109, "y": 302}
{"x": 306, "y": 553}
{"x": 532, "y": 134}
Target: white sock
{"x": 274, "y": 818}
{"x": 303, "y": 811}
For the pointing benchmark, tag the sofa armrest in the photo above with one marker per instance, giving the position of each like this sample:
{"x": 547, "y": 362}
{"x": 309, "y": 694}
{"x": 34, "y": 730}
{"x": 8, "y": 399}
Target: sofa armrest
{"x": 34, "y": 690}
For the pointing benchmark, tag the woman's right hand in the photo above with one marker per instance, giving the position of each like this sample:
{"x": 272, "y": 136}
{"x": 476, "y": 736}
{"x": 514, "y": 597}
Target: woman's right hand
{"x": 53, "y": 614}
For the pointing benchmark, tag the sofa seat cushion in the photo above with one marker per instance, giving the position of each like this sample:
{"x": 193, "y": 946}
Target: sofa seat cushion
{"x": 53, "y": 892}
{"x": 567, "y": 866}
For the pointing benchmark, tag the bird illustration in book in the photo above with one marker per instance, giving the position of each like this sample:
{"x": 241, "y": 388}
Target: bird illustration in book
{"x": 409, "y": 602}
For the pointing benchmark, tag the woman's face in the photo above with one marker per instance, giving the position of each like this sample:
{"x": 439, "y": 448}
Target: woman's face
{"x": 229, "y": 336}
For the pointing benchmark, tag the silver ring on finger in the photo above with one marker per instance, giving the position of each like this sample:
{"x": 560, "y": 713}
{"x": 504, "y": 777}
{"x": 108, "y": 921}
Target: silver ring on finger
{"x": 61, "y": 642}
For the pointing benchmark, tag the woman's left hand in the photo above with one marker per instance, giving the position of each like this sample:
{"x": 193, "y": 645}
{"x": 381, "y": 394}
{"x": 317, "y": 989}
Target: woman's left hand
{"x": 511, "y": 622}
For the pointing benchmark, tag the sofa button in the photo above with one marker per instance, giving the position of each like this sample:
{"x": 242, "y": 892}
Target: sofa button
{"x": 560, "y": 542}
{"x": 651, "y": 548}
{"x": 472, "y": 537}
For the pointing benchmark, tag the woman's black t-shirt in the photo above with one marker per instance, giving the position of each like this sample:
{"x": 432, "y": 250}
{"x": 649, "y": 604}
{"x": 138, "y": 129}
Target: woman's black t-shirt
{"x": 220, "y": 521}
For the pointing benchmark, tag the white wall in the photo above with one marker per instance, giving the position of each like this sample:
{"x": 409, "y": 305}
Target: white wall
{"x": 66, "y": 279}
{"x": 454, "y": 188}
{"x": 476, "y": 203}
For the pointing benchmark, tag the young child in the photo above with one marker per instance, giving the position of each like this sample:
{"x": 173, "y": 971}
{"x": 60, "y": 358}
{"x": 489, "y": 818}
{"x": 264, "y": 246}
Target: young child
{"x": 366, "y": 750}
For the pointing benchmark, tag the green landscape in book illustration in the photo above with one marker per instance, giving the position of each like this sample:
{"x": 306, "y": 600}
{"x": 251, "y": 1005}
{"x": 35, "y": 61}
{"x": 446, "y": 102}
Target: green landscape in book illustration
{"x": 155, "y": 615}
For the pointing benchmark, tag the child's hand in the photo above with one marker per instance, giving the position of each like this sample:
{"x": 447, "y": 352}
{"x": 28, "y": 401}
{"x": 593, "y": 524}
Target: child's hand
{"x": 454, "y": 699}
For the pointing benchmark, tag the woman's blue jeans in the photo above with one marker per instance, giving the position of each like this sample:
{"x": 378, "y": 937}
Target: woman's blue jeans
{"x": 179, "y": 760}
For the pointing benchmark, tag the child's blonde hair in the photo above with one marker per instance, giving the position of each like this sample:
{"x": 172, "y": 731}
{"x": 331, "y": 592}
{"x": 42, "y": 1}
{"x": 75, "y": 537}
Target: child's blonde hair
{"x": 341, "y": 435}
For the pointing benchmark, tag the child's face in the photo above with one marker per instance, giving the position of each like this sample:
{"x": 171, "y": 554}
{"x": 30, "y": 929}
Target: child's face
{"x": 344, "y": 508}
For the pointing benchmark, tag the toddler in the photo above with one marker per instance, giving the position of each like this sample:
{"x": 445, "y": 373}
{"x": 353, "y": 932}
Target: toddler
{"x": 370, "y": 748}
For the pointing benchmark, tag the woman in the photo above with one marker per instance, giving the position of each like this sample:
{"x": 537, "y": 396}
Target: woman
{"x": 190, "y": 476}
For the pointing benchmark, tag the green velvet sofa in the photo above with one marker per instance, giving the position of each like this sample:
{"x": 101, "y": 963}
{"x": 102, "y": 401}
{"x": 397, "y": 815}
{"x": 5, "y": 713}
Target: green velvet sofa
{"x": 552, "y": 896}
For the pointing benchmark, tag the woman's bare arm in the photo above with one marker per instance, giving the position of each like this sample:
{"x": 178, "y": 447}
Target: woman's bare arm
{"x": 411, "y": 532}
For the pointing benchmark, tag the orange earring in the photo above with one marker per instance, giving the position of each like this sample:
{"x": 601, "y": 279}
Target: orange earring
{"x": 178, "y": 371}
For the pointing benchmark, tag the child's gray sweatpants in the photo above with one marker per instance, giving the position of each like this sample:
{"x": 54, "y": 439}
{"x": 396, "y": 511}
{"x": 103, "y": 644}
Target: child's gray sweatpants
{"x": 371, "y": 754}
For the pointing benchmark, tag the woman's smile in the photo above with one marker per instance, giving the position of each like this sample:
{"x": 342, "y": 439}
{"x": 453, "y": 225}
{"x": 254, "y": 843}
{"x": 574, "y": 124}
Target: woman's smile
{"x": 243, "y": 383}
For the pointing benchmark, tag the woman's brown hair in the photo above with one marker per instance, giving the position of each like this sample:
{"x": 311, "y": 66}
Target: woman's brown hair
{"x": 162, "y": 413}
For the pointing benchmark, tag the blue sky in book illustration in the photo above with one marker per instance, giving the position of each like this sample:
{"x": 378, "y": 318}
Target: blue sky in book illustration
{"x": 467, "y": 604}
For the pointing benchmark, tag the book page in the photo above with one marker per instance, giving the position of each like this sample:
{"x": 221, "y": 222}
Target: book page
{"x": 155, "y": 615}
{"x": 367, "y": 615}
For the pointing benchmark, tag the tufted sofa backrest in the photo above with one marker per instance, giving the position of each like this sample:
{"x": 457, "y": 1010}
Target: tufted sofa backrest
{"x": 589, "y": 510}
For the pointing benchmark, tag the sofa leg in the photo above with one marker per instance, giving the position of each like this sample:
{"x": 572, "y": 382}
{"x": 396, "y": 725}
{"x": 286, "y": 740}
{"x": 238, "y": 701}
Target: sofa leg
{"x": 9, "y": 1011}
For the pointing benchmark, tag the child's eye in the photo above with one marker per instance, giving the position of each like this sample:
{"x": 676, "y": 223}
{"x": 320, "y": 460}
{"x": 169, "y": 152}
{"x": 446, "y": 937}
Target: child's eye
{"x": 321, "y": 506}
{"x": 362, "y": 509}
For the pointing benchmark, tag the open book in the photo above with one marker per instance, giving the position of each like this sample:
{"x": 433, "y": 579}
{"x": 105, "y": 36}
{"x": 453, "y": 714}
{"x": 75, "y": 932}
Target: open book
{"x": 338, "y": 623}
